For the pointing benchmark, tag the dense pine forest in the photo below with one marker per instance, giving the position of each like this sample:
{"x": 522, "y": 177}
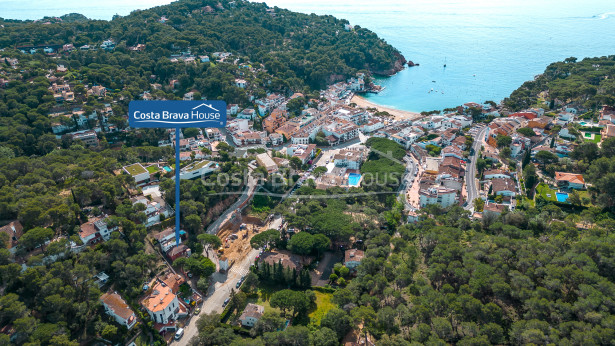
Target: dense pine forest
{"x": 589, "y": 82}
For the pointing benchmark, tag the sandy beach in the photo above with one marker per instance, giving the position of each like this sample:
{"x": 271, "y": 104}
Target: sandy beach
{"x": 398, "y": 114}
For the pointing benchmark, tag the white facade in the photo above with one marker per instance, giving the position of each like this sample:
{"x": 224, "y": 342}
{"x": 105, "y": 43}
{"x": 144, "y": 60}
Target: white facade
{"x": 197, "y": 170}
{"x": 117, "y": 308}
{"x": 162, "y": 305}
{"x": 138, "y": 172}
{"x": 442, "y": 196}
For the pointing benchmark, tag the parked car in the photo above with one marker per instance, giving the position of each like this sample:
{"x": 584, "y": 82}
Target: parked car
{"x": 197, "y": 311}
{"x": 226, "y": 301}
{"x": 179, "y": 333}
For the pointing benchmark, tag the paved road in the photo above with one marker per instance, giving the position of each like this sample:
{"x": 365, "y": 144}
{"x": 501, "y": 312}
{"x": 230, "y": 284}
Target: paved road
{"x": 221, "y": 289}
{"x": 470, "y": 178}
{"x": 223, "y": 286}
{"x": 408, "y": 180}
{"x": 247, "y": 194}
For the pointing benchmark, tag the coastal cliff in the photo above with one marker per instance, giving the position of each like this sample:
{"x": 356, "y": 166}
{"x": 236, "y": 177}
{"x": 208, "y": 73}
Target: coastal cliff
{"x": 398, "y": 65}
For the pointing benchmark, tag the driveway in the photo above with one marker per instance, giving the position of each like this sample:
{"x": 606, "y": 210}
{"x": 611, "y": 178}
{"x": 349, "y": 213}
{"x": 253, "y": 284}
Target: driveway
{"x": 320, "y": 276}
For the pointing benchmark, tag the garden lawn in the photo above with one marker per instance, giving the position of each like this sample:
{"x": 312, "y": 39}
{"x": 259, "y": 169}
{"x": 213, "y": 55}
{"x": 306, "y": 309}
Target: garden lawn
{"x": 596, "y": 139}
{"x": 152, "y": 169}
{"x": 264, "y": 294}
{"x": 544, "y": 190}
{"x": 323, "y": 305}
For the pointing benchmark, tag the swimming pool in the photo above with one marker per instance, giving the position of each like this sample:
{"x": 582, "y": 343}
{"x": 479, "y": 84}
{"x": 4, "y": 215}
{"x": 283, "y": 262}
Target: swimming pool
{"x": 167, "y": 168}
{"x": 561, "y": 196}
{"x": 354, "y": 179}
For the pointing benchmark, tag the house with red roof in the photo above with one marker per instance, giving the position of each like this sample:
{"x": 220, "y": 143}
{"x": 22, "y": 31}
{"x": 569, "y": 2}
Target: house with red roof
{"x": 570, "y": 180}
{"x": 116, "y": 307}
{"x": 164, "y": 307}
{"x": 526, "y": 115}
{"x": 14, "y": 230}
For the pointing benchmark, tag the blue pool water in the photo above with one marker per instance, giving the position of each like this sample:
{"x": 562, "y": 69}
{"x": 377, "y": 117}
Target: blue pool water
{"x": 561, "y": 196}
{"x": 167, "y": 168}
{"x": 353, "y": 179}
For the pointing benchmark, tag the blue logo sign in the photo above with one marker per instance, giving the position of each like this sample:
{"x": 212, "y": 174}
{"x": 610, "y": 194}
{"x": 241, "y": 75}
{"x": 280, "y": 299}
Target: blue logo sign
{"x": 176, "y": 114}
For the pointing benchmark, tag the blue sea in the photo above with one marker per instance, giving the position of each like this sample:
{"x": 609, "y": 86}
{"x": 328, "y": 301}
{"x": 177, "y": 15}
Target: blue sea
{"x": 489, "y": 47}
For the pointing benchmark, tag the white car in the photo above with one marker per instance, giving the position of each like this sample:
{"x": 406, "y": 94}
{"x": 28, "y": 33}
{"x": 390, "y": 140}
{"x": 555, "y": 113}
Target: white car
{"x": 179, "y": 333}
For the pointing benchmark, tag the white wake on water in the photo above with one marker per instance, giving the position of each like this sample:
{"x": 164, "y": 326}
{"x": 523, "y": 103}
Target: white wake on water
{"x": 604, "y": 15}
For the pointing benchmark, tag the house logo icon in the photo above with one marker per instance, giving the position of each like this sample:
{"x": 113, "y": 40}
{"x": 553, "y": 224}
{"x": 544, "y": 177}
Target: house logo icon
{"x": 205, "y": 105}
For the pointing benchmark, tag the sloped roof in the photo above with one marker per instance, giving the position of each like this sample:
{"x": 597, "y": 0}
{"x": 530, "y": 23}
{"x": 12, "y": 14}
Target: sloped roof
{"x": 115, "y": 302}
{"x": 570, "y": 177}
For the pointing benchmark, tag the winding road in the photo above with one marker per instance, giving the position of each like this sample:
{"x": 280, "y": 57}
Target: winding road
{"x": 236, "y": 207}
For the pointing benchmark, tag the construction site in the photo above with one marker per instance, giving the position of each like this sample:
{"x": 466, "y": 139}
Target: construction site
{"x": 235, "y": 236}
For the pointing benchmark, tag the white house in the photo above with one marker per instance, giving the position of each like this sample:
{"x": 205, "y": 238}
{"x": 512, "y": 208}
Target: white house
{"x": 189, "y": 96}
{"x": 162, "y": 304}
{"x": 108, "y": 45}
{"x": 372, "y": 125}
{"x": 198, "y": 169}
{"x": 350, "y": 159}
{"x": 241, "y": 83}
{"x": 504, "y": 187}
{"x": 233, "y": 109}
{"x": 95, "y": 231}
{"x": 496, "y": 173}
{"x": 247, "y": 113}
{"x": 154, "y": 211}
{"x": 138, "y": 173}
{"x": 117, "y": 308}
{"x": 443, "y": 196}
{"x": 565, "y": 133}
{"x": 166, "y": 239}
{"x": 251, "y": 314}
{"x": 570, "y": 180}
{"x": 565, "y": 118}
{"x": 453, "y": 151}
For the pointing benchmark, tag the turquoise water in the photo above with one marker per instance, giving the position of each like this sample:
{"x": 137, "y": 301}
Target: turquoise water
{"x": 353, "y": 179}
{"x": 561, "y": 196}
{"x": 490, "y": 47}
{"x": 167, "y": 168}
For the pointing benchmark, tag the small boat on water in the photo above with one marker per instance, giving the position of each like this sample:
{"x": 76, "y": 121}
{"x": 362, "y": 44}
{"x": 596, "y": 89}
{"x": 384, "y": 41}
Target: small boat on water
{"x": 444, "y": 62}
